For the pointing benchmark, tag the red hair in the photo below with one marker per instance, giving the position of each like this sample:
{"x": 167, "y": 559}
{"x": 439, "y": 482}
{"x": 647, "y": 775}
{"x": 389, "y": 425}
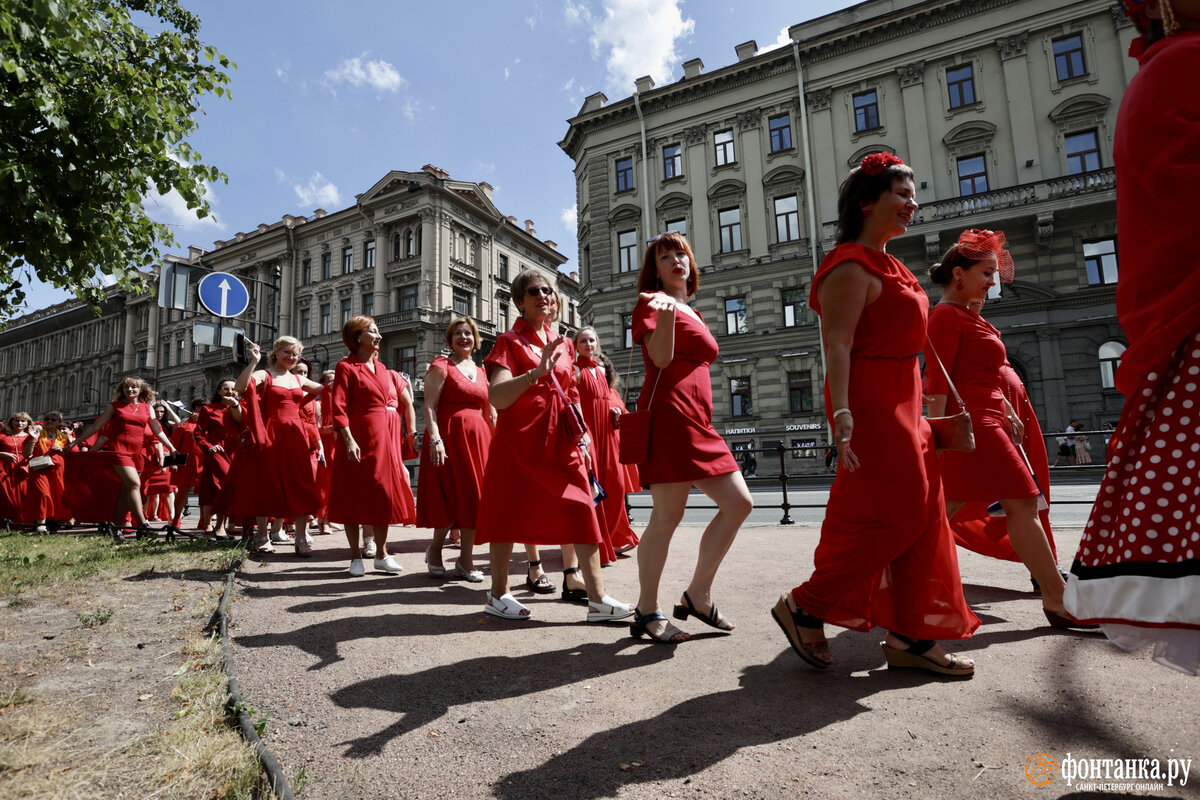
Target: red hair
{"x": 353, "y": 327}
{"x": 648, "y": 279}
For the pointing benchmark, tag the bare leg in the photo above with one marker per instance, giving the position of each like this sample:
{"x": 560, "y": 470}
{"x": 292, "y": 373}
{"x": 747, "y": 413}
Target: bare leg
{"x": 501, "y": 554}
{"x": 1031, "y": 546}
{"x": 734, "y": 504}
{"x": 433, "y": 556}
{"x": 381, "y": 534}
{"x": 130, "y": 496}
{"x": 531, "y": 554}
{"x": 665, "y": 515}
{"x": 466, "y": 553}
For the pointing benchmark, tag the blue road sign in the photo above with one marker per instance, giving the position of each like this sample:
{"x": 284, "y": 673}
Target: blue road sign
{"x": 223, "y": 294}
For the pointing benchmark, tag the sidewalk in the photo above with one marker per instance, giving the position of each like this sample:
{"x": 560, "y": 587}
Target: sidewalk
{"x": 401, "y": 687}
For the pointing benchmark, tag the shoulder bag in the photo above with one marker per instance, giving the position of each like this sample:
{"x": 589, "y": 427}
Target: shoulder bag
{"x": 955, "y": 432}
{"x": 633, "y": 428}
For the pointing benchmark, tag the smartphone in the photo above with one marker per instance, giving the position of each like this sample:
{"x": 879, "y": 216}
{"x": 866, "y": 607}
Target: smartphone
{"x": 241, "y": 353}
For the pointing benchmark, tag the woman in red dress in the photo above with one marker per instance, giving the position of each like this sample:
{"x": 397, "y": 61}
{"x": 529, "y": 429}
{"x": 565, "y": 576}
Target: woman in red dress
{"x": 276, "y": 479}
{"x": 685, "y": 450}
{"x": 218, "y": 426}
{"x": 536, "y": 488}
{"x": 47, "y": 488}
{"x": 458, "y": 433}
{"x": 370, "y": 481}
{"x": 632, "y": 481}
{"x": 184, "y": 478}
{"x": 1138, "y": 563}
{"x": 973, "y": 354}
{"x": 595, "y": 401}
{"x": 324, "y": 465}
{"x": 316, "y": 451}
{"x": 886, "y": 555}
{"x": 124, "y": 430}
{"x": 14, "y": 482}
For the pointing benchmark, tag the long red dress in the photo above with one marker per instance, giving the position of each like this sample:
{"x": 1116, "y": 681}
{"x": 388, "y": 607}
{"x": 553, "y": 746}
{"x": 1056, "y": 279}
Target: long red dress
{"x": 448, "y": 496}
{"x": 633, "y": 481}
{"x": 374, "y": 490}
{"x": 886, "y": 555}
{"x": 14, "y": 482}
{"x": 276, "y": 479}
{"x": 45, "y": 499}
{"x": 597, "y": 413}
{"x": 1138, "y": 562}
{"x": 533, "y": 463}
{"x": 215, "y": 426}
{"x": 328, "y": 443}
{"x": 188, "y": 475}
{"x": 684, "y": 445}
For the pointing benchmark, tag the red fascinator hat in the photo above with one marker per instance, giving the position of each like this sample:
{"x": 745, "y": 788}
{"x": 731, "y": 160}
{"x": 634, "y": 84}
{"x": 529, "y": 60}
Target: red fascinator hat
{"x": 878, "y": 162}
{"x": 977, "y": 245}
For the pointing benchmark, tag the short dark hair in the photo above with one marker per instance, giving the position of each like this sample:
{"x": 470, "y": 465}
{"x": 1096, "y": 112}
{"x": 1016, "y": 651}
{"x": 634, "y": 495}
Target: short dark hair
{"x": 859, "y": 189}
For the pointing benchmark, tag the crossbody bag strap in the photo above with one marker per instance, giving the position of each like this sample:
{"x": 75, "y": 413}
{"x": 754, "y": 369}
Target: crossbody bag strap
{"x": 949, "y": 382}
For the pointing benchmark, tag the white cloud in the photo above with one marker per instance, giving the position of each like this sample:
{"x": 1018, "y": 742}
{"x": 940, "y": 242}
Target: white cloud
{"x": 570, "y": 218}
{"x": 634, "y": 38}
{"x": 783, "y": 40}
{"x": 319, "y": 192}
{"x": 534, "y": 18}
{"x": 484, "y": 167}
{"x": 171, "y": 210}
{"x": 362, "y": 72}
{"x": 506, "y": 73}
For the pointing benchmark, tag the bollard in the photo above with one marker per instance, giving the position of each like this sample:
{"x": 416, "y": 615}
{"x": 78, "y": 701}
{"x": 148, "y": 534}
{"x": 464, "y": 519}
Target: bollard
{"x": 783, "y": 481}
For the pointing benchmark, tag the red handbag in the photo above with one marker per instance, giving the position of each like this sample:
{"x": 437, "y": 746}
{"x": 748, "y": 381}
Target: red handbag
{"x": 633, "y": 428}
{"x": 953, "y": 432}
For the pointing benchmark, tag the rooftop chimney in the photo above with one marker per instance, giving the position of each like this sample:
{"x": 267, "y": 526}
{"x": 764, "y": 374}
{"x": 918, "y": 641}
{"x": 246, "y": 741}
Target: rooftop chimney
{"x": 746, "y": 50}
{"x": 644, "y": 84}
{"x": 194, "y": 252}
{"x": 436, "y": 172}
{"x": 693, "y": 68}
{"x": 529, "y": 227}
{"x": 553, "y": 245}
{"x": 593, "y": 102}
{"x": 320, "y": 212}
{"x": 486, "y": 188}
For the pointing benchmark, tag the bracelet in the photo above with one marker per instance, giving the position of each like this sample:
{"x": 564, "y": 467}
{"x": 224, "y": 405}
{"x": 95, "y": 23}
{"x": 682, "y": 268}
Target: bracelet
{"x": 841, "y": 411}
{"x": 435, "y": 442}
{"x": 529, "y": 377}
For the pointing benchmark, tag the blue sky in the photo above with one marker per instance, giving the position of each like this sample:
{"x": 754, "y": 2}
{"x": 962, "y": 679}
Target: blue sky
{"x": 327, "y": 98}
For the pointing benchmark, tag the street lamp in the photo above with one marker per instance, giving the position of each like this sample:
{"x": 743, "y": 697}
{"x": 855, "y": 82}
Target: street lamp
{"x": 323, "y": 362}
{"x": 87, "y": 393}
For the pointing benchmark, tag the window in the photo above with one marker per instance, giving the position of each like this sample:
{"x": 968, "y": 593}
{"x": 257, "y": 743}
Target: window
{"x": 800, "y": 395}
{"x": 396, "y": 247}
{"x": 866, "y": 111}
{"x": 180, "y": 351}
{"x": 166, "y": 354}
{"x": 972, "y": 175}
{"x": 347, "y": 260}
{"x": 306, "y": 272}
{"x": 624, "y": 174}
{"x": 781, "y": 132}
{"x": 369, "y": 255}
{"x": 627, "y": 330}
{"x": 406, "y": 298}
{"x": 410, "y": 244}
{"x": 304, "y": 324}
{"x": 406, "y": 360}
{"x": 325, "y": 326}
{"x": 787, "y": 218}
{"x": 730, "y": 222}
{"x": 1083, "y": 152}
{"x": 368, "y": 304}
{"x": 677, "y": 226}
{"x": 1100, "y": 262}
{"x": 503, "y": 307}
{"x": 794, "y": 304}
{"x": 502, "y": 267}
{"x": 672, "y": 161}
{"x": 739, "y": 397}
{"x": 326, "y": 266}
{"x": 723, "y": 146}
{"x": 1068, "y": 57}
{"x": 462, "y": 302}
{"x": 627, "y": 251}
{"x": 960, "y": 81}
{"x": 1110, "y": 358}
{"x": 345, "y": 310}
{"x": 735, "y": 315}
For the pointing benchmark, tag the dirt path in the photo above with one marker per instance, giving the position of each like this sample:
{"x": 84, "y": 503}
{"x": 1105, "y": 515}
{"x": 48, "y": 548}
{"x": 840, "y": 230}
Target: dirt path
{"x": 400, "y": 687}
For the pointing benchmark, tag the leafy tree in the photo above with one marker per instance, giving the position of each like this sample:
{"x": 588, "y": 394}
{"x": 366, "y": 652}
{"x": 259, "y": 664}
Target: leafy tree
{"x": 95, "y": 110}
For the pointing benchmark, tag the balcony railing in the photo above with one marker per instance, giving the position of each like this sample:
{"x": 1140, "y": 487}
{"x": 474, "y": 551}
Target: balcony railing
{"x": 1054, "y": 189}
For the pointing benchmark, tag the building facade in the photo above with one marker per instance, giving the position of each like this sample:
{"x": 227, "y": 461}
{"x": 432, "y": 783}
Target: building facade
{"x": 1005, "y": 109}
{"x": 416, "y": 250}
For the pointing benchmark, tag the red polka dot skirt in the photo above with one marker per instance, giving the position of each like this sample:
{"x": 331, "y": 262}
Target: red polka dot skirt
{"x": 1137, "y": 571}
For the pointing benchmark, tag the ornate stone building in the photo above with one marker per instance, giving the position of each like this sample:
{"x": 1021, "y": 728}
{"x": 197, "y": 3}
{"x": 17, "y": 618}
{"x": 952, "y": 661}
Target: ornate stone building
{"x": 416, "y": 250}
{"x": 1004, "y": 108}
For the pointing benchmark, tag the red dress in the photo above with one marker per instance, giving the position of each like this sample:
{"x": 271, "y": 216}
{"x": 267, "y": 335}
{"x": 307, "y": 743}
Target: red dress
{"x": 684, "y": 445}
{"x": 45, "y": 499}
{"x": 156, "y": 479}
{"x": 633, "y": 482}
{"x": 886, "y": 555}
{"x": 276, "y": 479}
{"x": 971, "y": 350}
{"x": 215, "y": 426}
{"x": 536, "y": 489}
{"x": 448, "y": 496}
{"x": 126, "y": 432}
{"x": 1138, "y": 561}
{"x": 14, "y": 482}
{"x": 374, "y": 490}
{"x": 328, "y": 443}
{"x": 184, "y": 439}
{"x": 606, "y": 463}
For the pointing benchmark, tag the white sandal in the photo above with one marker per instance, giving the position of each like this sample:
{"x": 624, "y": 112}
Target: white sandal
{"x": 506, "y": 607}
{"x": 608, "y": 610}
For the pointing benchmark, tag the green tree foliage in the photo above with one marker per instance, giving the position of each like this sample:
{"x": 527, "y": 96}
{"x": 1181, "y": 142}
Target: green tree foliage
{"x": 95, "y": 111}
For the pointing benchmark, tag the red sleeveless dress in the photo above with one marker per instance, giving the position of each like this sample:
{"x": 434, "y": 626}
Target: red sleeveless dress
{"x": 594, "y": 399}
{"x": 448, "y": 496}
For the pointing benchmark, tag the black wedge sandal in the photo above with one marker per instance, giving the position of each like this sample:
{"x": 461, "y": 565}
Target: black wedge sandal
{"x": 790, "y": 622}
{"x": 542, "y": 585}
{"x": 572, "y": 595}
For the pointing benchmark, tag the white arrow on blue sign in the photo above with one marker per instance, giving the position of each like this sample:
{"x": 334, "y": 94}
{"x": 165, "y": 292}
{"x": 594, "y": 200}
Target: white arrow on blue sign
{"x": 223, "y": 294}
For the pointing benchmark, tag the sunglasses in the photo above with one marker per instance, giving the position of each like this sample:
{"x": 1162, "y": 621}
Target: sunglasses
{"x": 52, "y": 419}
{"x": 534, "y": 291}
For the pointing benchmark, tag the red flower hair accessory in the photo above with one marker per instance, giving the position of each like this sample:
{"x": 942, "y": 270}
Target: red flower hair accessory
{"x": 878, "y": 162}
{"x": 977, "y": 245}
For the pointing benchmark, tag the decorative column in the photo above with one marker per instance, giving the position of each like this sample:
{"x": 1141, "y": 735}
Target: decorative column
{"x": 379, "y": 271}
{"x": 128, "y": 355}
{"x": 696, "y": 141}
{"x": 1014, "y": 60}
{"x": 820, "y": 120}
{"x": 916, "y": 121}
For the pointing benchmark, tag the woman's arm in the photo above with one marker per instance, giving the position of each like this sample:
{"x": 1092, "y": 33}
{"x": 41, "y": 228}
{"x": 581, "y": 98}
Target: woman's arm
{"x": 504, "y": 389}
{"x": 169, "y": 411}
{"x": 248, "y": 372}
{"x": 843, "y": 294}
{"x": 162, "y": 437}
{"x": 434, "y": 379}
{"x": 96, "y": 425}
{"x": 660, "y": 342}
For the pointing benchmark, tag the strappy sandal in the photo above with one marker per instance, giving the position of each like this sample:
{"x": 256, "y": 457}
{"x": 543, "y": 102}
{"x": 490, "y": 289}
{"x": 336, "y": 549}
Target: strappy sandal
{"x": 791, "y": 622}
{"x": 572, "y": 595}
{"x": 914, "y": 658}
{"x": 670, "y": 635}
{"x": 506, "y": 607}
{"x": 542, "y": 585}
{"x": 713, "y": 618}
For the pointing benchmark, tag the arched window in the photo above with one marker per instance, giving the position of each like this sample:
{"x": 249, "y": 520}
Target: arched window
{"x": 396, "y": 251}
{"x": 1110, "y": 359}
{"x": 408, "y": 243}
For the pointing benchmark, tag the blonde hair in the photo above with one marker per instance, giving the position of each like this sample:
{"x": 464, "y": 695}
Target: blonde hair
{"x": 145, "y": 393}
{"x": 281, "y": 343}
{"x": 8, "y": 426}
{"x": 454, "y": 323}
{"x": 597, "y": 353}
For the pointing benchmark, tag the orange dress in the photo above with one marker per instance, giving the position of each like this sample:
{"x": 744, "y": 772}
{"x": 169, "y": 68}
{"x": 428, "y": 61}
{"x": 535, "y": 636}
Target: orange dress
{"x": 886, "y": 556}
{"x": 448, "y": 495}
